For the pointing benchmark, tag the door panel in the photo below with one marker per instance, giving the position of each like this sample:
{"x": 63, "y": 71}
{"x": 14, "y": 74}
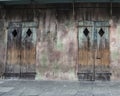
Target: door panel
{"x": 85, "y": 37}
{"x": 28, "y": 52}
{"x": 93, "y": 57}
{"x": 103, "y": 52}
{"x": 13, "y": 49}
{"x": 21, "y": 54}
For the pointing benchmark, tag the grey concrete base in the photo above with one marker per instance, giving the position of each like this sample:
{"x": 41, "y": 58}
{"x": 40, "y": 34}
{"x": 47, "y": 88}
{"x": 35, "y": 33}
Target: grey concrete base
{"x": 58, "y": 88}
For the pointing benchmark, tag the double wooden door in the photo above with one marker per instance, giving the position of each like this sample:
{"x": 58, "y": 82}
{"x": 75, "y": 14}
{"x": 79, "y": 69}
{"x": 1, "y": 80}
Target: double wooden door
{"x": 94, "y": 51}
{"x": 21, "y": 50}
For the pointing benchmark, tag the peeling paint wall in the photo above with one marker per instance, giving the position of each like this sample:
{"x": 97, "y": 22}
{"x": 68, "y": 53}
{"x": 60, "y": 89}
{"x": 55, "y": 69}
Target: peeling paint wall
{"x": 57, "y": 44}
{"x": 114, "y": 45}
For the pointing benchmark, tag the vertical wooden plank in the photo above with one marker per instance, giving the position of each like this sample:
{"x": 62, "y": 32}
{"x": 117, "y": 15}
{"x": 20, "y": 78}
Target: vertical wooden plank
{"x": 102, "y": 59}
{"x": 85, "y": 47}
{"x": 28, "y": 47}
{"x": 13, "y": 49}
{"x": 2, "y": 48}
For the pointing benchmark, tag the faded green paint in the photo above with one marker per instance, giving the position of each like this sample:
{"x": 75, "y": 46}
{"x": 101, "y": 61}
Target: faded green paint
{"x": 59, "y": 45}
{"x": 115, "y": 55}
{"x": 33, "y": 27}
{"x": 81, "y": 37}
{"x": 44, "y": 61}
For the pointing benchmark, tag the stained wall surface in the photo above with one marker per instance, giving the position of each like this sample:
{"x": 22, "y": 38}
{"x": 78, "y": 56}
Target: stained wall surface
{"x": 57, "y": 42}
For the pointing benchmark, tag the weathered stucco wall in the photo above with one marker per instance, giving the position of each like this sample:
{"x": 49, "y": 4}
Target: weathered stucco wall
{"x": 114, "y": 45}
{"x": 56, "y": 40}
{"x": 57, "y": 44}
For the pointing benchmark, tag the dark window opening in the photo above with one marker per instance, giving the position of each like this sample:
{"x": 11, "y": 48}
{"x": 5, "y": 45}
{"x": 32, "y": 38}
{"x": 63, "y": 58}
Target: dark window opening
{"x": 86, "y": 32}
{"x": 101, "y": 32}
{"x": 29, "y": 32}
{"x": 14, "y": 33}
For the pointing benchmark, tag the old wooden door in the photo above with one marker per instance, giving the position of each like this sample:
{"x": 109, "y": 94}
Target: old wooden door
{"x": 93, "y": 55}
{"x": 28, "y": 49}
{"x": 13, "y": 50}
{"x": 21, "y": 50}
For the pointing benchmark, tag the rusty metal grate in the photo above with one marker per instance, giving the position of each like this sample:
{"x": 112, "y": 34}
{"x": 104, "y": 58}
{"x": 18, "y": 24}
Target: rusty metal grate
{"x": 14, "y": 33}
{"x": 29, "y": 32}
{"x": 86, "y": 32}
{"x": 101, "y": 32}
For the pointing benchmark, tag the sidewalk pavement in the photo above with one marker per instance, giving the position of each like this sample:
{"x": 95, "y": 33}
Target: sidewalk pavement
{"x": 58, "y": 88}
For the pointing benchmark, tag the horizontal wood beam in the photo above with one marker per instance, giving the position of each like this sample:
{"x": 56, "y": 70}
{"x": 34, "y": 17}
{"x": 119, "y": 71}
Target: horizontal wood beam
{"x": 12, "y": 2}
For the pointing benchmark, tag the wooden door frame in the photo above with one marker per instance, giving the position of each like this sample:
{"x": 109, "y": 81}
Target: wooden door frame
{"x": 5, "y": 71}
{"x": 94, "y": 65}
